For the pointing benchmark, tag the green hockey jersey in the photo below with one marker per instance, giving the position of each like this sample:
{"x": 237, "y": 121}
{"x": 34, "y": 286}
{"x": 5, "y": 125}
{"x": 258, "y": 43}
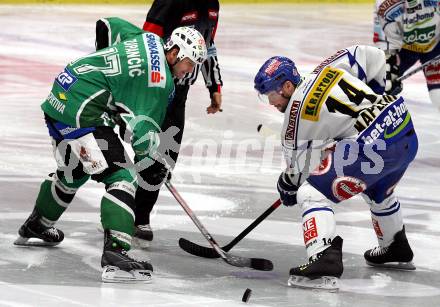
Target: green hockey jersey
{"x": 130, "y": 80}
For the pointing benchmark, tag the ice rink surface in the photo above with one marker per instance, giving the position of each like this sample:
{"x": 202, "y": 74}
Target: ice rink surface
{"x": 226, "y": 171}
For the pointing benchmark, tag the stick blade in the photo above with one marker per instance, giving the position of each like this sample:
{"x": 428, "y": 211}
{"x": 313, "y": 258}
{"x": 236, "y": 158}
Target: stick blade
{"x": 261, "y": 264}
{"x": 192, "y": 248}
{"x": 197, "y": 250}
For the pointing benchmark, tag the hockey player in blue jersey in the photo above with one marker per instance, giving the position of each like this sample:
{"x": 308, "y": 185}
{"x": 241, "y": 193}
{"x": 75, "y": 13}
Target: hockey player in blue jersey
{"x": 340, "y": 138}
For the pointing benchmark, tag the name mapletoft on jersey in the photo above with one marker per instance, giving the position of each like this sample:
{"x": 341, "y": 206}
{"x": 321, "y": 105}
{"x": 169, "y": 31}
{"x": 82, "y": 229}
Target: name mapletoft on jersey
{"x": 156, "y": 59}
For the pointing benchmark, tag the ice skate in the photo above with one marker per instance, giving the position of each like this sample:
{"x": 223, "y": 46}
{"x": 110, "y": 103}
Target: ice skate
{"x": 398, "y": 255}
{"x": 322, "y": 271}
{"x": 120, "y": 267}
{"x": 143, "y": 235}
{"x": 36, "y": 231}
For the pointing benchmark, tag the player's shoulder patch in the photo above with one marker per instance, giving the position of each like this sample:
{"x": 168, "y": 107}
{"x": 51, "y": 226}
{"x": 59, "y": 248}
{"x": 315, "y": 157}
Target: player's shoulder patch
{"x": 66, "y": 79}
{"x": 157, "y": 76}
{"x": 330, "y": 60}
{"x": 318, "y": 93}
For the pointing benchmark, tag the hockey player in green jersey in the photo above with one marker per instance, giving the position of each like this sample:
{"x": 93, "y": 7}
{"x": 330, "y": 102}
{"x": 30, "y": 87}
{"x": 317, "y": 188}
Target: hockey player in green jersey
{"x": 129, "y": 82}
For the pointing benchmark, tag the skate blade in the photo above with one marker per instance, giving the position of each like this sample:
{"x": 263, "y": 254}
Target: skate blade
{"x": 328, "y": 283}
{"x": 405, "y": 266}
{"x": 22, "y": 241}
{"x": 112, "y": 274}
{"x": 140, "y": 243}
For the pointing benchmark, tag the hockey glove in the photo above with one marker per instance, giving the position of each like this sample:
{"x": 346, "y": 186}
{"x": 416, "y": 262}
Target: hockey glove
{"x": 287, "y": 190}
{"x": 392, "y": 85}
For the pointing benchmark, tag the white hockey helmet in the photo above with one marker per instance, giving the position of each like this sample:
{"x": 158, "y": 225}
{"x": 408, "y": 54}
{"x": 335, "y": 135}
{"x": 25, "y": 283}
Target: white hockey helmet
{"x": 190, "y": 42}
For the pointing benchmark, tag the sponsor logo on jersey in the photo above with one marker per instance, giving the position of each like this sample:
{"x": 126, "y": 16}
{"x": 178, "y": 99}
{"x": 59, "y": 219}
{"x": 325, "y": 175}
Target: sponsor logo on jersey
{"x": 375, "y": 122}
{"x": 433, "y": 3}
{"x": 189, "y": 17}
{"x": 62, "y": 96}
{"x": 411, "y": 22}
{"x": 68, "y": 130}
{"x": 377, "y": 228}
{"x": 156, "y": 61}
{"x": 346, "y": 187}
{"x": 66, "y": 79}
{"x": 290, "y": 135}
{"x": 432, "y": 73}
{"x": 421, "y": 36}
{"x": 390, "y": 7}
{"x": 55, "y": 103}
{"x": 420, "y": 48}
{"x": 318, "y": 94}
{"x": 309, "y": 229}
{"x": 213, "y": 14}
{"x": 134, "y": 60}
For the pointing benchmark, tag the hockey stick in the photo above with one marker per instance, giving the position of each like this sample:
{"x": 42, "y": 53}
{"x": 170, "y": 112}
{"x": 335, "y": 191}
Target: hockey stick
{"x": 254, "y": 263}
{"x": 417, "y": 69}
{"x": 207, "y": 252}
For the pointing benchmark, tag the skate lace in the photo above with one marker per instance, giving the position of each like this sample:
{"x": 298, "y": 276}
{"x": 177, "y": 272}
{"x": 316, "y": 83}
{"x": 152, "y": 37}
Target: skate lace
{"x": 125, "y": 253}
{"x": 305, "y": 265}
{"x": 52, "y": 232}
{"x": 378, "y": 251}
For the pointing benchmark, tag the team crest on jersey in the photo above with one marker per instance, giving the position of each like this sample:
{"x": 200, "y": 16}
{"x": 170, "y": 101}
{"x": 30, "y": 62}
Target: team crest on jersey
{"x": 319, "y": 92}
{"x": 156, "y": 61}
{"x": 346, "y": 187}
{"x": 66, "y": 79}
{"x": 324, "y": 166}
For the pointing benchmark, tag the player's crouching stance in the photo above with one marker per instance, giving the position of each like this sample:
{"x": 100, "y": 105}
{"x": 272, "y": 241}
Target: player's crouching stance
{"x": 365, "y": 142}
{"x": 131, "y": 82}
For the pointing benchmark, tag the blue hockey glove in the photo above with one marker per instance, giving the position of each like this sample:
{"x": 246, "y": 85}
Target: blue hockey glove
{"x": 287, "y": 190}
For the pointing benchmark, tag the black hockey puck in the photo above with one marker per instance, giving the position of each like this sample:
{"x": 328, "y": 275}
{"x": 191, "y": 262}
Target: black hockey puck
{"x": 259, "y": 127}
{"x": 246, "y": 295}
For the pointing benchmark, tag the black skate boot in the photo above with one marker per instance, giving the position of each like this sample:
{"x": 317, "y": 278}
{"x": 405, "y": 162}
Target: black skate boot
{"x": 398, "y": 255}
{"x": 39, "y": 228}
{"x": 119, "y": 266}
{"x": 322, "y": 271}
{"x": 143, "y": 235}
